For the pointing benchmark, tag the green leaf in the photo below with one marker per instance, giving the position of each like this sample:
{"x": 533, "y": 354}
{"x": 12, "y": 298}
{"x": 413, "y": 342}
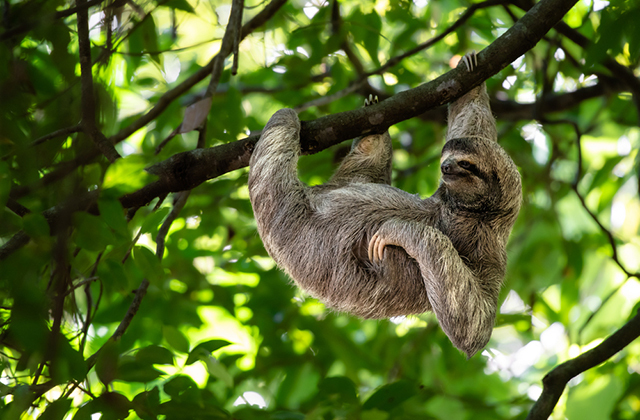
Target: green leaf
{"x": 341, "y": 386}
{"x": 56, "y": 410}
{"x": 35, "y": 225}
{"x": 146, "y": 404}
{"x": 152, "y": 221}
{"x": 150, "y": 38}
{"x": 155, "y": 355}
{"x": 594, "y": 400}
{"x": 179, "y": 385}
{"x": 175, "y": 338}
{"x": 148, "y": 264}
{"x": 138, "y": 371}
{"x": 107, "y": 362}
{"x": 390, "y": 396}
{"x": 92, "y": 232}
{"x": 366, "y": 29}
{"x": 127, "y": 174}
{"x": 218, "y": 370}
{"x": 114, "y": 276}
{"x": 204, "y": 350}
{"x": 180, "y": 5}
{"x": 5, "y": 183}
{"x": 112, "y": 212}
{"x": 113, "y": 405}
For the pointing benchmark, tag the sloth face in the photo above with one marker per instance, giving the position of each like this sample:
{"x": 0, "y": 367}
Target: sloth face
{"x": 472, "y": 172}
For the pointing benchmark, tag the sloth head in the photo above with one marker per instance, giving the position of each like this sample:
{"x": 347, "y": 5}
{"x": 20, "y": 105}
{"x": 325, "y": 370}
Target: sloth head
{"x": 479, "y": 177}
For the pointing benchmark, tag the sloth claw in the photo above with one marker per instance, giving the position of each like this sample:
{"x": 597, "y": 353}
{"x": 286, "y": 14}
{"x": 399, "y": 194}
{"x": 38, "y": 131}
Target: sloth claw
{"x": 371, "y": 100}
{"x": 376, "y": 248}
{"x": 470, "y": 60}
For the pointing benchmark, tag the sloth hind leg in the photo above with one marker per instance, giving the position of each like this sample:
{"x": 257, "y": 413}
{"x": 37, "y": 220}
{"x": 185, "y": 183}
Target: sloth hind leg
{"x": 464, "y": 311}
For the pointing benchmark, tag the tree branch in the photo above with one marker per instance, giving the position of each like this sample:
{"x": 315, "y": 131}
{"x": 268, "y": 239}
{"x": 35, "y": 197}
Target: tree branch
{"x": 189, "y": 169}
{"x": 556, "y": 380}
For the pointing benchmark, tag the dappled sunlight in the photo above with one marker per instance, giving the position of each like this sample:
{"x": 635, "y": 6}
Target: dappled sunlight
{"x": 97, "y": 176}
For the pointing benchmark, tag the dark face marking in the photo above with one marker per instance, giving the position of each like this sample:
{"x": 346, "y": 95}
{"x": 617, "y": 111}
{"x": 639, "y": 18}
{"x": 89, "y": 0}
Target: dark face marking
{"x": 464, "y": 144}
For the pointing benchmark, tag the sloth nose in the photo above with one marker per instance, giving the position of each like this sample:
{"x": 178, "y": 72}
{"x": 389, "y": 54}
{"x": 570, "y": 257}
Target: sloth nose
{"x": 446, "y": 167}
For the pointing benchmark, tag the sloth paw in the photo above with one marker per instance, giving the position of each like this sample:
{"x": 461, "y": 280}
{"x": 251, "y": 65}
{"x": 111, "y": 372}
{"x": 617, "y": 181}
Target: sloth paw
{"x": 371, "y": 100}
{"x": 470, "y": 60}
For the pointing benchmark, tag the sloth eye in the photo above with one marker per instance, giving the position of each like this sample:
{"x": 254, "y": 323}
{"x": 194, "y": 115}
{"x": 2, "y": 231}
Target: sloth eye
{"x": 465, "y": 164}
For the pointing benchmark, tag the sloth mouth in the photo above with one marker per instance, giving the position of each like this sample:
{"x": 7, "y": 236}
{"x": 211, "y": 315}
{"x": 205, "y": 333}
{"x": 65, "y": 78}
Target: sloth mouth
{"x": 454, "y": 175}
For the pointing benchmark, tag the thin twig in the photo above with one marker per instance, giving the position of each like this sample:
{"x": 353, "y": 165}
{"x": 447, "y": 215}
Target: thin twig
{"x": 58, "y": 133}
{"x": 237, "y": 23}
{"x": 89, "y": 124}
{"x": 324, "y": 100}
{"x": 602, "y": 304}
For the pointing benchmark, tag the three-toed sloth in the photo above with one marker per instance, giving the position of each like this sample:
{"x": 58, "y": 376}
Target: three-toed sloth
{"x": 364, "y": 247}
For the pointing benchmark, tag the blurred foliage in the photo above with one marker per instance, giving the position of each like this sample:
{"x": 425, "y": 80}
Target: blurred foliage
{"x": 220, "y": 332}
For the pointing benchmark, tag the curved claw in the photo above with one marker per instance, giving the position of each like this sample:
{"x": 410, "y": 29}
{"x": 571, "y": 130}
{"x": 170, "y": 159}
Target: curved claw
{"x": 371, "y": 100}
{"x": 470, "y": 60}
{"x": 376, "y": 248}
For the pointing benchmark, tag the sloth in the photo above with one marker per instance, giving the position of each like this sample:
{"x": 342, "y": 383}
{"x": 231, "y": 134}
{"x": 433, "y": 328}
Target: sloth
{"x": 364, "y": 247}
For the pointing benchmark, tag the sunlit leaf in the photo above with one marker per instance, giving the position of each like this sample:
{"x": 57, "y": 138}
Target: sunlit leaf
{"x": 204, "y": 350}
{"x": 127, "y": 174}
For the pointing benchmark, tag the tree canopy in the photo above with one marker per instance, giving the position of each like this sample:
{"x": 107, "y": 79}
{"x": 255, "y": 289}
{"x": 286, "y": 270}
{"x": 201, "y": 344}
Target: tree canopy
{"x": 133, "y": 283}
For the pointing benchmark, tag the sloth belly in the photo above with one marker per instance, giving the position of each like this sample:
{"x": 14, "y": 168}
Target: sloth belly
{"x": 336, "y": 269}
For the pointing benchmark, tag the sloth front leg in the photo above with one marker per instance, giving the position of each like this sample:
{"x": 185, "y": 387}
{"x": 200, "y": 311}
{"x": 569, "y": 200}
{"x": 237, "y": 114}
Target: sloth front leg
{"x": 470, "y": 115}
{"x": 369, "y": 160}
{"x": 464, "y": 311}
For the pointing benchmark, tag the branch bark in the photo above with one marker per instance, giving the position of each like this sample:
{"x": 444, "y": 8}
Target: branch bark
{"x": 556, "y": 380}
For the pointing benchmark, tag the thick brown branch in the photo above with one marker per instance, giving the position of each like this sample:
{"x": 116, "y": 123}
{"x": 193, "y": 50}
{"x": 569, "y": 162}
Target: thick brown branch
{"x": 556, "y": 380}
{"x": 189, "y": 169}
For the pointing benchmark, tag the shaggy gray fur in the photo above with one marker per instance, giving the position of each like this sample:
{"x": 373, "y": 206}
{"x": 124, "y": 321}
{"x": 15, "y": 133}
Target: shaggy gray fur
{"x": 364, "y": 247}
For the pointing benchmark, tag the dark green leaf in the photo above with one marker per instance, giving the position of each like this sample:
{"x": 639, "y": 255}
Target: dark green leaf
{"x": 390, "y": 396}
{"x": 155, "y": 355}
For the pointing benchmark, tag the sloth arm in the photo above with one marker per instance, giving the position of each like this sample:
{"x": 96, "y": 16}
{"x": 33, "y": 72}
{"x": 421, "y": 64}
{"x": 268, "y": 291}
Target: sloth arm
{"x": 464, "y": 311}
